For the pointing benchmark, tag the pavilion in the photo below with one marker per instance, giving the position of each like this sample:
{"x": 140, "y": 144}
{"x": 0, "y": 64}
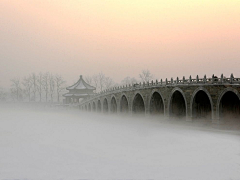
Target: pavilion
{"x": 77, "y": 91}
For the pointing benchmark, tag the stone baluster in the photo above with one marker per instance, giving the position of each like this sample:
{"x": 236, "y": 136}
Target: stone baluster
{"x": 152, "y": 82}
{"x": 213, "y": 78}
{"x": 183, "y": 79}
{"x": 156, "y": 81}
{"x": 231, "y": 78}
{"x": 166, "y": 81}
{"x": 143, "y": 83}
{"x": 177, "y": 80}
{"x": 205, "y": 79}
{"x": 197, "y": 79}
{"x": 221, "y": 78}
{"x": 171, "y": 80}
{"x": 190, "y": 79}
{"x": 161, "y": 81}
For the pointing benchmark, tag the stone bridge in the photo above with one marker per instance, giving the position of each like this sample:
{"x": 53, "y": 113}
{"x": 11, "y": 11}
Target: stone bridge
{"x": 213, "y": 99}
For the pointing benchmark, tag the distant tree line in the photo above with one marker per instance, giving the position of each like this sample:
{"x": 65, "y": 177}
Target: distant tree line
{"x": 102, "y": 82}
{"x": 47, "y": 87}
{"x": 42, "y": 87}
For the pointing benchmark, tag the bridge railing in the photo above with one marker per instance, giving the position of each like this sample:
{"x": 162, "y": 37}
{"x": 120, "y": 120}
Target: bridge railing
{"x": 213, "y": 80}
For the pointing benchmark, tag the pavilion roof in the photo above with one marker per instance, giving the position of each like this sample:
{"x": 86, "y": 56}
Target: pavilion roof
{"x": 81, "y": 85}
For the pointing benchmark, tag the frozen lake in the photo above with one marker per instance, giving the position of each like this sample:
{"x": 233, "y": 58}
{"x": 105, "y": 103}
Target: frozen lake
{"x": 73, "y": 145}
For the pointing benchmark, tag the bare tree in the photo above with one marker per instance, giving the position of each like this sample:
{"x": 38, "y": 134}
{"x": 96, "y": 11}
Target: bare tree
{"x": 95, "y": 82}
{"x": 59, "y": 85}
{"x": 51, "y": 86}
{"x": 45, "y": 85}
{"x": 89, "y": 79}
{"x": 101, "y": 80}
{"x": 39, "y": 85}
{"x": 146, "y": 75}
{"x": 108, "y": 82}
{"x": 34, "y": 85}
{"x": 27, "y": 84}
{"x": 3, "y": 95}
{"x": 16, "y": 89}
{"x": 128, "y": 80}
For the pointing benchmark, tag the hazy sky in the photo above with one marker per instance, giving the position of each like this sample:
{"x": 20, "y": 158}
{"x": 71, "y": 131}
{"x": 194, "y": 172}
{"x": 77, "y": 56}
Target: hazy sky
{"x": 119, "y": 38}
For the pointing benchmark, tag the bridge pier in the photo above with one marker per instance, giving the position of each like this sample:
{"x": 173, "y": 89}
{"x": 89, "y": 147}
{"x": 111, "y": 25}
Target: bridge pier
{"x": 215, "y": 116}
{"x": 189, "y": 117}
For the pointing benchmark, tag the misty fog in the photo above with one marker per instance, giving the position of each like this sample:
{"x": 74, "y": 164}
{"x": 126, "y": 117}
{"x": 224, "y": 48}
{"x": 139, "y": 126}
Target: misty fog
{"x": 61, "y": 143}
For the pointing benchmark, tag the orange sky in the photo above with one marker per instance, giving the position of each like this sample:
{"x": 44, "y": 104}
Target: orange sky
{"x": 119, "y": 37}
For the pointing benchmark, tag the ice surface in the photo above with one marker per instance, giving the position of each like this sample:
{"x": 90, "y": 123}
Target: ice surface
{"x": 74, "y": 145}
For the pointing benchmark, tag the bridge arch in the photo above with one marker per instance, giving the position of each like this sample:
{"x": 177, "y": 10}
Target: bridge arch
{"x": 201, "y": 104}
{"x": 89, "y": 107}
{"x": 94, "y": 106}
{"x": 99, "y": 106}
{"x": 105, "y": 105}
{"x": 113, "y": 106}
{"x": 124, "y": 104}
{"x": 177, "y": 103}
{"x": 228, "y": 105}
{"x": 138, "y": 104}
{"x": 156, "y": 103}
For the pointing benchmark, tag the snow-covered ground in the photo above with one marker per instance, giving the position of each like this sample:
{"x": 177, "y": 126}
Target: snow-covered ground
{"x": 73, "y": 145}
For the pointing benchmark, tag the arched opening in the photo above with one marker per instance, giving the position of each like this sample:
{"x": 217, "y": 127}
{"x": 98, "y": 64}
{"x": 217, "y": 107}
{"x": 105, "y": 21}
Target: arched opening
{"x": 124, "y": 105}
{"x": 86, "y": 108}
{"x": 94, "y": 107}
{"x": 177, "y": 106}
{"x": 99, "y": 106}
{"x": 138, "y": 105}
{"x": 156, "y": 104}
{"x": 89, "y": 107}
{"x": 229, "y": 109}
{"x": 105, "y": 106}
{"x": 201, "y": 106}
{"x": 113, "y": 105}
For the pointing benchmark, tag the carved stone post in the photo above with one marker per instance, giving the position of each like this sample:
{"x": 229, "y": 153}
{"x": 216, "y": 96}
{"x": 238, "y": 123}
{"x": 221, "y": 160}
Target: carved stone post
{"x": 231, "y": 78}
{"x": 204, "y": 79}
